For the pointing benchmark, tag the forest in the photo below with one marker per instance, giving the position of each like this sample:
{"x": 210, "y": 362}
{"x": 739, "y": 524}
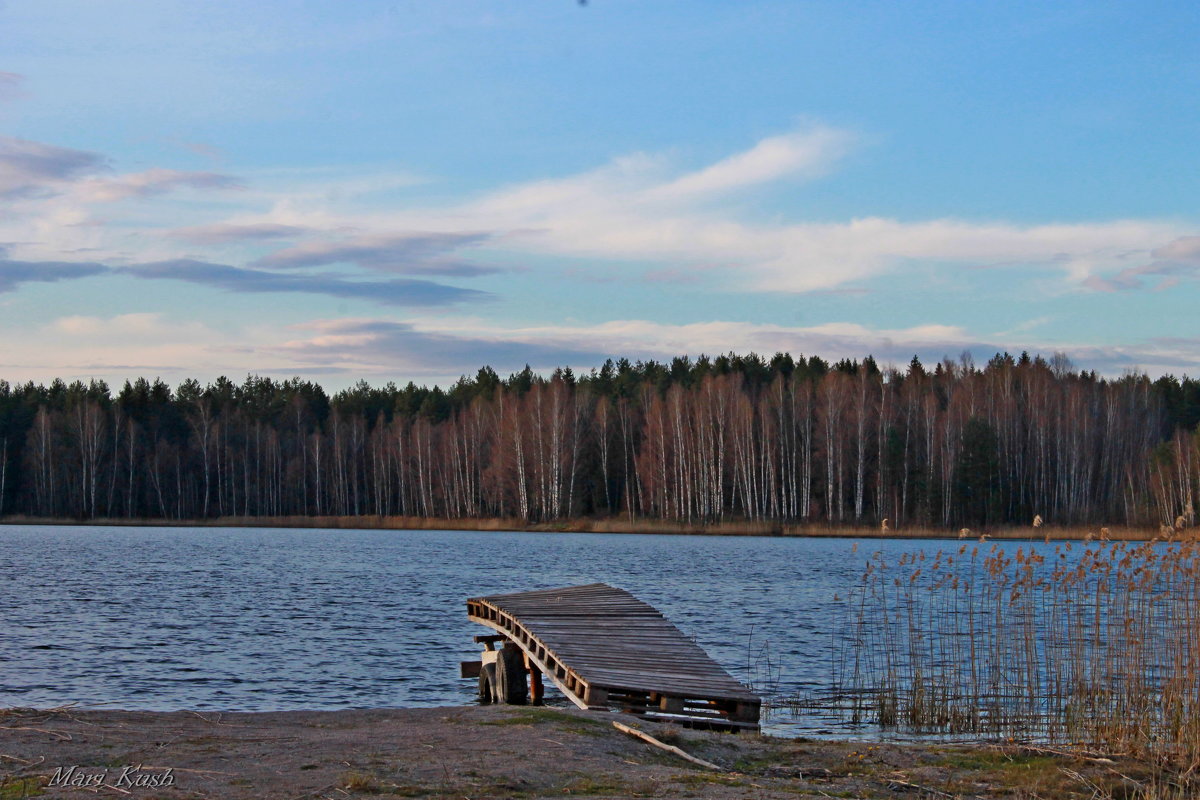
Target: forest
{"x": 735, "y": 437}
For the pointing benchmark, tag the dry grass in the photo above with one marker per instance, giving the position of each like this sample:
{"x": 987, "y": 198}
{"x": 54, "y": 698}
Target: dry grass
{"x": 1093, "y": 647}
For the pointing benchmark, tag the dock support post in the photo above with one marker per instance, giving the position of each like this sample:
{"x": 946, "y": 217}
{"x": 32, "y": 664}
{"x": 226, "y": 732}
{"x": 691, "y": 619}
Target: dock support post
{"x": 746, "y": 712}
{"x": 673, "y": 705}
{"x": 536, "y": 690}
{"x": 594, "y": 696}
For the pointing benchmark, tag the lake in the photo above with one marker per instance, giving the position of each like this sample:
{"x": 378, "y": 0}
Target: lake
{"x": 256, "y": 619}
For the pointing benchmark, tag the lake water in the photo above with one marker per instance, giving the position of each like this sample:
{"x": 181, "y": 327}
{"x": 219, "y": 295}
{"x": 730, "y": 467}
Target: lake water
{"x": 258, "y": 619}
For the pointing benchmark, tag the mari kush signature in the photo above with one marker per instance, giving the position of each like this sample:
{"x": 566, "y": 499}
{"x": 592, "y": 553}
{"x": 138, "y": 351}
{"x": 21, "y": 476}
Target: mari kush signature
{"x": 130, "y": 777}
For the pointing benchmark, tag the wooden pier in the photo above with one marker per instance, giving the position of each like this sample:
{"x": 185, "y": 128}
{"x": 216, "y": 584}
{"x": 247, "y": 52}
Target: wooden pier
{"x": 604, "y": 648}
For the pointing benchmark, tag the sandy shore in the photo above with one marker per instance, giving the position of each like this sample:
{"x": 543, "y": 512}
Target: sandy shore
{"x": 491, "y": 752}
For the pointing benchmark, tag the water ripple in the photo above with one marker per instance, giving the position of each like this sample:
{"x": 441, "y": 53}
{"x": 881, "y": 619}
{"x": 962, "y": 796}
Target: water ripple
{"x": 263, "y": 619}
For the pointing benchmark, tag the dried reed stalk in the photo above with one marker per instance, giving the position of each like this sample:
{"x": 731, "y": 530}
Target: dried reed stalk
{"x": 1092, "y": 647}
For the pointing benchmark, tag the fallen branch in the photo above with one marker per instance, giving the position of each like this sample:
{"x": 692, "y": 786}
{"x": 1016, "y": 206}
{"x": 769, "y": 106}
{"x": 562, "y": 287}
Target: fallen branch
{"x": 1075, "y": 776}
{"x": 1081, "y": 754}
{"x": 181, "y": 769}
{"x": 670, "y": 748}
{"x": 62, "y": 737}
{"x": 25, "y": 761}
{"x": 896, "y": 784}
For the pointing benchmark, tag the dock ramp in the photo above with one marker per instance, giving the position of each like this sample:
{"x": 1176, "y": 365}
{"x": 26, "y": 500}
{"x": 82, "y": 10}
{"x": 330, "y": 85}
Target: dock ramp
{"x": 604, "y": 648}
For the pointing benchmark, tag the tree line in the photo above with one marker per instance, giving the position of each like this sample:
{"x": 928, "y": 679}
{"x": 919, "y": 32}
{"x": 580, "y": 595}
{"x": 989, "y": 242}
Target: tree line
{"x": 789, "y": 440}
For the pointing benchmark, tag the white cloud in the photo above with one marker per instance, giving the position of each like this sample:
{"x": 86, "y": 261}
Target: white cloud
{"x": 633, "y": 211}
{"x": 629, "y": 211}
{"x": 801, "y": 154}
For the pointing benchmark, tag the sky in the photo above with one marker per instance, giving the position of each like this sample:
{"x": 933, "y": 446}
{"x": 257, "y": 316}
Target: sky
{"x": 398, "y": 191}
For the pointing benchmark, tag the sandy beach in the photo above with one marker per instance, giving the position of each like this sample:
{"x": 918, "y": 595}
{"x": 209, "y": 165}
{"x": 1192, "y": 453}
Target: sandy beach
{"x": 495, "y": 752}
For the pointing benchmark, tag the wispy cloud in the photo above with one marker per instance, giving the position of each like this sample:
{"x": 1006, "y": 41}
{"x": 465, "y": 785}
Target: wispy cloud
{"x": 229, "y": 232}
{"x": 1173, "y": 261}
{"x": 31, "y": 169}
{"x": 438, "y": 349}
{"x": 208, "y": 151}
{"x": 425, "y": 253}
{"x": 446, "y": 348}
{"x": 141, "y": 323}
{"x": 397, "y": 292}
{"x": 647, "y": 338}
{"x": 801, "y": 154}
{"x": 634, "y": 216}
{"x": 152, "y": 182}
{"x": 15, "y": 273}
{"x": 632, "y": 211}
{"x": 388, "y": 346}
{"x": 627, "y": 211}
{"x": 124, "y": 346}
{"x": 1183, "y": 249}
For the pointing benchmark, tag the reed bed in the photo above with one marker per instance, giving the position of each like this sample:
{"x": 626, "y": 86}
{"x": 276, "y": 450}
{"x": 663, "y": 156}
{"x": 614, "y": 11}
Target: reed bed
{"x": 1093, "y": 646}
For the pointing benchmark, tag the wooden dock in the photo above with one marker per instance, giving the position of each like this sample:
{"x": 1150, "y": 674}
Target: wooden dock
{"x": 604, "y": 648}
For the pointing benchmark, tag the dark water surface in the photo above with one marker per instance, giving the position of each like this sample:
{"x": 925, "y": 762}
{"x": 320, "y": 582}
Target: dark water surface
{"x": 255, "y": 619}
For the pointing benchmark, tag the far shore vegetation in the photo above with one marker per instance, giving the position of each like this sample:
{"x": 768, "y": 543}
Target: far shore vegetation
{"x": 727, "y": 444}
{"x": 624, "y": 525}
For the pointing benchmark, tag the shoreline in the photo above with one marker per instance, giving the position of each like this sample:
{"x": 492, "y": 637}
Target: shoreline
{"x": 498, "y": 752}
{"x": 609, "y": 525}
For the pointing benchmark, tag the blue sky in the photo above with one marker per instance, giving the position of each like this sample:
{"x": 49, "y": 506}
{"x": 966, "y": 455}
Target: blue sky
{"x": 407, "y": 190}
